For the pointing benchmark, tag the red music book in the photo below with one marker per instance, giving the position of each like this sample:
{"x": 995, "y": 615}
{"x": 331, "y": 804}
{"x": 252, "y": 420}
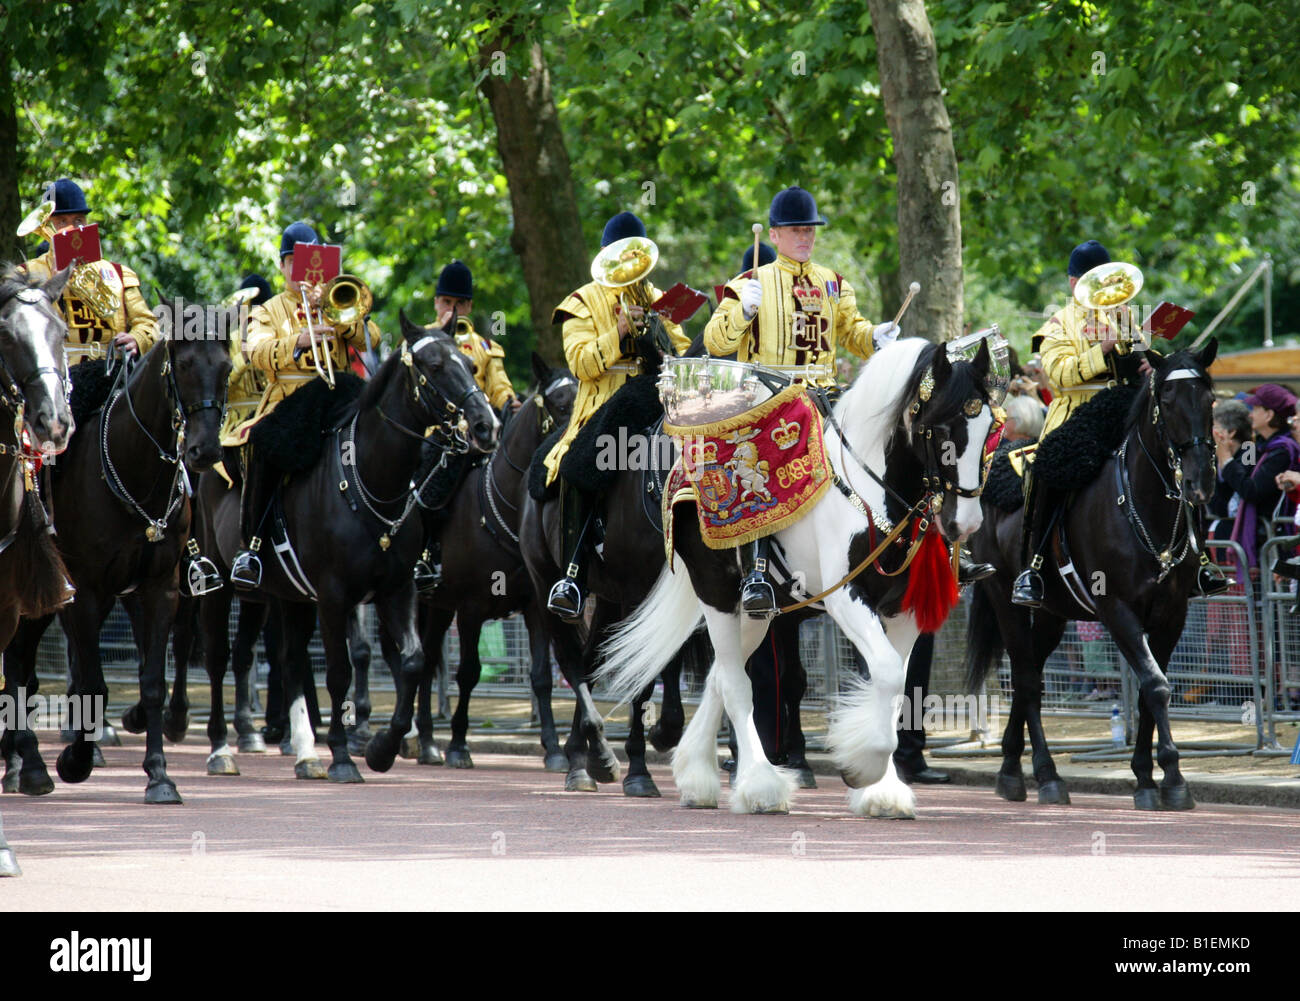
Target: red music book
{"x": 679, "y": 303}
{"x": 80, "y": 243}
{"x": 316, "y": 263}
{"x": 1167, "y": 320}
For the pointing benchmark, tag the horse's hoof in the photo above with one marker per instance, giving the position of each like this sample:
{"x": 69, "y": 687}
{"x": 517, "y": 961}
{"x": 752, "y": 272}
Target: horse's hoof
{"x": 458, "y": 757}
{"x": 110, "y": 737}
{"x": 1177, "y": 797}
{"x": 602, "y": 766}
{"x": 345, "y": 772}
{"x": 9, "y": 863}
{"x": 579, "y": 781}
{"x": 430, "y": 755}
{"x": 13, "y": 766}
{"x": 97, "y": 756}
{"x": 252, "y": 743}
{"x": 556, "y": 762}
{"x": 641, "y": 787}
{"x": 286, "y": 748}
{"x": 1147, "y": 798}
{"x": 1054, "y": 793}
{"x": 310, "y": 769}
{"x": 35, "y": 782}
{"x": 694, "y": 804}
{"x": 162, "y": 793}
{"x": 1011, "y": 788}
{"x": 175, "y": 727}
{"x": 133, "y": 720}
{"x": 771, "y": 811}
{"x": 410, "y": 747}
{"x": 73, "y": 767}
{"x": 222, "y": 764}
{"x": 805, "y": 777}
{"x": 380, "y": 753}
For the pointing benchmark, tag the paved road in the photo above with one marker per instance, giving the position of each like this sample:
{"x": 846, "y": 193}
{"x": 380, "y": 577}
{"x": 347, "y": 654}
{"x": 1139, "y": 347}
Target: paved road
{"x": 505, "y": 836}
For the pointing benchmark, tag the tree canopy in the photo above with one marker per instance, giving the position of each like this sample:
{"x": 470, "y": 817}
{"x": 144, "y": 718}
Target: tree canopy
{"x": 1166, "y": 130}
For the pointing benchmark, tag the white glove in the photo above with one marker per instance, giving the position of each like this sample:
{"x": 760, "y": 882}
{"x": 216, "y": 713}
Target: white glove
{"x": 885, "y": 333}
{"x": 750, "y": 296}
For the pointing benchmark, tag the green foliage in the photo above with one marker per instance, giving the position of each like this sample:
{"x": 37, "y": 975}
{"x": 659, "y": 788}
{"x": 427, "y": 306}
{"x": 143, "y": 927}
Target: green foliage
{"x": 1167, "y": 130}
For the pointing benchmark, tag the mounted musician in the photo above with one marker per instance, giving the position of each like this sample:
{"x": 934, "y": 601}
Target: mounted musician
{"x": 789, "y": 316}
{"x": 101, "y": 303}
{"x": 455, "y": 294}
{"x": 1090, "y": 345}
{"x": 301, "y": 335}
{"x": 606, "y": 329}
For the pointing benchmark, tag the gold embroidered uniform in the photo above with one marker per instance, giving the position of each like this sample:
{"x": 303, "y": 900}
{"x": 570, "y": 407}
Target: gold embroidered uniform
{"x": 805, "y": 312}
{"x": 89, "y": 335}
{"x": 489, "y": 363}
{"x": 273, "y": 330}
{"x": 593, "y": 350}
{"x": 1075, "y": 364}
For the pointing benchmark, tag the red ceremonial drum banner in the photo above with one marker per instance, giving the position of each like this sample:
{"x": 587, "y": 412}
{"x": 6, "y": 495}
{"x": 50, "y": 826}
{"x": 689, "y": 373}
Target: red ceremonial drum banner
{"x": 753, "y": 474}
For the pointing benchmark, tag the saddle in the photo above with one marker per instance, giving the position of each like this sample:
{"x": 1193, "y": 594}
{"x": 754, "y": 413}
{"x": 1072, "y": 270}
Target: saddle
{"x": 1070, "y": 457}
{"x": 292, "y": 437}
{"x": 92, "y": 384}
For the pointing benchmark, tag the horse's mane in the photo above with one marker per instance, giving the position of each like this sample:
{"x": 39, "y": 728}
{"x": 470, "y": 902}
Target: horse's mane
{"x": 14, "y": 280}
{"x": 378, "y": 384}
{"x": 874, "y": 404}
{"x": 1182, "y": 358}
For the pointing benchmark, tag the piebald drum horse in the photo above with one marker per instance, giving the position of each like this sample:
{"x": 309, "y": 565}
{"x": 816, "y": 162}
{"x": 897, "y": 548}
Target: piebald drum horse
{"x": 34, "y": 399}
{"x": 1165, "y": 466}
{"x": 908, "y": 409}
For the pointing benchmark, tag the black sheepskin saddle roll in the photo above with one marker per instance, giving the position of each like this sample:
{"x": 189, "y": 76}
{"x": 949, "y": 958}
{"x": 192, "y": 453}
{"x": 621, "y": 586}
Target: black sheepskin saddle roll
{"x": 537, "y": 488}
{"x": 1004, "y": 488}
{"x": 91, "y": 384}
{"x": 1070, "y": 457}
{"x": 292, "y": 435}
{"x": 634, "y": 408}
{"x": 437, "y": 491}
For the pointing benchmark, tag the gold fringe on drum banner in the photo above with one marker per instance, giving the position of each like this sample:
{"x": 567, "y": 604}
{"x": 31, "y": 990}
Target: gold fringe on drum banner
{"x": 753, "y": 474}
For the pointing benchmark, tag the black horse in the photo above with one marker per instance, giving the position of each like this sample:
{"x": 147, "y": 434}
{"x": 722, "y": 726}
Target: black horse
{"x": 33, "y": 398}
{"x": 1128, "y": 529}
{"x": 483, "y": 571}
{"x": 623, "y": 565}
{"x": 123, "y": 513}
{"x": 349, "y": 537}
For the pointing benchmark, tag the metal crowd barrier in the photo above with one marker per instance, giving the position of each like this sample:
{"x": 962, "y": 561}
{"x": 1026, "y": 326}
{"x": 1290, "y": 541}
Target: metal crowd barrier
{"x": 1215, "y": 672}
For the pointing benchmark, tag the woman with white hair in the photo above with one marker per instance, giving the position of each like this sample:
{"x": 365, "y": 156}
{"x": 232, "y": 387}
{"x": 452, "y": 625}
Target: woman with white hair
{"x": 1024, "y": 419}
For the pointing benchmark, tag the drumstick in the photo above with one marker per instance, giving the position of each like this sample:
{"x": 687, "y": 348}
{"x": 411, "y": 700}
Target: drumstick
{"x": 758, "y": 228}
{"x": 912, "y": 289}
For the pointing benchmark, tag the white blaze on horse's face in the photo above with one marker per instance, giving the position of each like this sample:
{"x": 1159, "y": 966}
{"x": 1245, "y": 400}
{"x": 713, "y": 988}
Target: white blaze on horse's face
{"x": 47, "y": 417}
{"x": 970, "y": 467}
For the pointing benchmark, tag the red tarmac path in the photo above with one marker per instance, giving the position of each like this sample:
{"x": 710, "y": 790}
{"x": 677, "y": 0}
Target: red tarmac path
{"x": 505, "y": 835}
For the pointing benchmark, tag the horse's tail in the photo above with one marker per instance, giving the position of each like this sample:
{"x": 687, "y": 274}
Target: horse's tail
{"x": 643, "y": 643}
{"x": 984, "y": 645}
{"x": 38, "y": 568}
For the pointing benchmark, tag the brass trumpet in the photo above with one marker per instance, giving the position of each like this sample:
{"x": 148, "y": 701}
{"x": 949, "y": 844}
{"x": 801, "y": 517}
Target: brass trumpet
{"x": 345, "y": 300}
{"x": 85, "y": 282}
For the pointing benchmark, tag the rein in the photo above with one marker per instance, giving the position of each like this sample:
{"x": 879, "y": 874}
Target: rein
{"x": 1124, "y": 485}
{"x": 181, "y": 487}
{"x": 448, "y": 435}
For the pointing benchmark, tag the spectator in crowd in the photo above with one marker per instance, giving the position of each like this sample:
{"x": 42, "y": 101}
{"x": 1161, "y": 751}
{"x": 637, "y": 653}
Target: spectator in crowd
{"x": 1255, "y": 483}
{"x": 1024, "y": 419}
{"x": 1232, "y": 431}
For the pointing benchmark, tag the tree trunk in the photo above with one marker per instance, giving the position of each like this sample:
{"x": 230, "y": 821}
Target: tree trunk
{"x": 547, "y": 229}
{"x": 929, "y": 215}
{"x": 11, "y": 164}
{"x": 890, "y": 295}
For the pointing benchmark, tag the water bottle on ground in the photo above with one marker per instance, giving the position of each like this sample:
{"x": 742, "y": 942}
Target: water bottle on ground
{"x": 1116, "y": 727}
